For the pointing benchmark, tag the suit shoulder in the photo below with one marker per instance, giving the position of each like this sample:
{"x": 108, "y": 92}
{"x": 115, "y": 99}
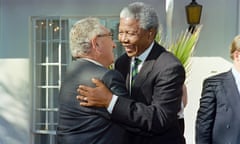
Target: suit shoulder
{"x": 85, "y": 65}
{"x": 168, "y": 61}
{"x": 82, "y": 70}
{"x": 216, "y": 79}
{"x": 164, "y": 55}
{"x": 122, "y": 59}
{"x": 170, "y": 57}
{"x": 112, "y": 75}
{"x": 115, "y": 82}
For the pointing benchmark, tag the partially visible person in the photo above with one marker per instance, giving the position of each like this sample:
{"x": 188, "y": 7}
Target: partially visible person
{"x": 155, "y": 84}
{"x": 181, "y": 112}
{"x": 218, "y": 118}
{"x": 92, "y": 46}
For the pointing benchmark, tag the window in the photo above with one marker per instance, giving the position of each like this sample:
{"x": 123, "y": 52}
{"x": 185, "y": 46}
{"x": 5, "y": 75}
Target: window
{"x": 50, "y": 58}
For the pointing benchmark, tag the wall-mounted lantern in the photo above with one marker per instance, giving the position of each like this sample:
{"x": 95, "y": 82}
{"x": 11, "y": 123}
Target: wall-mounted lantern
{"x": 193, "y": 12}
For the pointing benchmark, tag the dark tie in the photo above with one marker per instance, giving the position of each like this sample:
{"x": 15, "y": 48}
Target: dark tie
{"x": 135, "y": 69}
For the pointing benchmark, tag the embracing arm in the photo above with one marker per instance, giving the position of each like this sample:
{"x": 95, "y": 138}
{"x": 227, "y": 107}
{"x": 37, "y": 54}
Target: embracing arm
{"x": 161, "y": 113}
{"x": 206, "y": 114}
{"x": 102, "y": 94}
{"x": 164, "y": 91}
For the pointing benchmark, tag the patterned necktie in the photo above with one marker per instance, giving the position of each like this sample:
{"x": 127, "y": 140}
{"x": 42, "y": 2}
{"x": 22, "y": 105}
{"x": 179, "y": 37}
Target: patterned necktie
{"x": 135, "y": 69}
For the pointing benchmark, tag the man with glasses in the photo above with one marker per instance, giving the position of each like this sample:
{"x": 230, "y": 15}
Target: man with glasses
{"x": 153, "y": 76}
{"x": 92, "y": 46}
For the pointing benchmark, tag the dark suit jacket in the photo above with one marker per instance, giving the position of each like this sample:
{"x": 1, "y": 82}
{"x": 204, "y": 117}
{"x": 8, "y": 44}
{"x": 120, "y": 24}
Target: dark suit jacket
{"x": 218, "y": 118}
{"x": 155, "y": 99}
{"x": 83, "y": 125}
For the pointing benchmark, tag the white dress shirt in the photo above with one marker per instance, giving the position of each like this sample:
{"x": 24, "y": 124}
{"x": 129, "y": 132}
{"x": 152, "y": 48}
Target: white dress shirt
{"x": 236, "y": 75}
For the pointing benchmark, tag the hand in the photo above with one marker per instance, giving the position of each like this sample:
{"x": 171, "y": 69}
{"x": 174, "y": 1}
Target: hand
{"x": 100, "y": 96}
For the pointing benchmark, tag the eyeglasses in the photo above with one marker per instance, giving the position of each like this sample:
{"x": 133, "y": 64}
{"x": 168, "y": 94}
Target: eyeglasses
{"x": 106, "y": 35}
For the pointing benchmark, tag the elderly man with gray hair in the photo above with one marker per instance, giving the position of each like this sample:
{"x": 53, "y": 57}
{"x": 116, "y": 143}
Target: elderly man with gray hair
{"x": 92, "y": 46}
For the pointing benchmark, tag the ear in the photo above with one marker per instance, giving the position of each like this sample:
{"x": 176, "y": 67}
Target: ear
{"x": 94, "y": 43}
{"x": 152, "y": 33}
{"x": 96, "y": 46}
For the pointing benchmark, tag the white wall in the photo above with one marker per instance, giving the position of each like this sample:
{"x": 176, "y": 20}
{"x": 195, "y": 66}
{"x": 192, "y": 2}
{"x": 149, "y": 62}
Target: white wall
{"x": 15, "y": 101}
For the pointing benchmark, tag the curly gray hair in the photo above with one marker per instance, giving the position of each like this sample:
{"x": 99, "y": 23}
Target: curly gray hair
{"x": 81, "y": 34}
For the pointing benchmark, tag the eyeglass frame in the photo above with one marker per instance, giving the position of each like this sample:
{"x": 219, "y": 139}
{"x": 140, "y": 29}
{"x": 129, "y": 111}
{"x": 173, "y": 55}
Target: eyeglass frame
{"x": 105, "y": 35}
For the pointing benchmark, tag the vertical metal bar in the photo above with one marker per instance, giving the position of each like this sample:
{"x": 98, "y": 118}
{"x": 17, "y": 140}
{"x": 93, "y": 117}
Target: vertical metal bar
{"x": 47, "y": 76}
{"x": 60, "y": 53}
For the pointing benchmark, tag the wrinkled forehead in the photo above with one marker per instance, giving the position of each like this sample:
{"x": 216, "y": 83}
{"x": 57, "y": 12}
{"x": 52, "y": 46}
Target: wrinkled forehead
{"x": 129, "y": 23}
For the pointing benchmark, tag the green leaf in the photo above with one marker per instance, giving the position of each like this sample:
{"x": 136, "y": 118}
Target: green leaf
{"x": 183, "y": 47}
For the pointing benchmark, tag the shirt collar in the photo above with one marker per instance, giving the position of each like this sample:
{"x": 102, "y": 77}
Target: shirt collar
{"x": 93, "y": 61}
{"x": 236, "y": 74}
{"x": 144, "y": 55}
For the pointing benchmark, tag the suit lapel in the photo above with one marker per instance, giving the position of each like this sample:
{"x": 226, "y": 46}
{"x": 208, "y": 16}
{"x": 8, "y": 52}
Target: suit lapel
{"x": 231, "y": 90}
{"x": 143, "y": 74}
{"x": 128, "y": 81}
{"x": 148, "y": 65}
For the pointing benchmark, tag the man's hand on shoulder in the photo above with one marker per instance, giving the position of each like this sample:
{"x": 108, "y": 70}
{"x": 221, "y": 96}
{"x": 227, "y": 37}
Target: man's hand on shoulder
{"x": 100, "y": 96}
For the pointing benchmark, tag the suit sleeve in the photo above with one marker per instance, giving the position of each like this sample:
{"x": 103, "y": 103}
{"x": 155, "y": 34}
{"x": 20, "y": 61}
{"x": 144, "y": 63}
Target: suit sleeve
{"x": 115, "y": 82}
{"x": 165, "y": 94}
{"x": 206, "y": 113}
